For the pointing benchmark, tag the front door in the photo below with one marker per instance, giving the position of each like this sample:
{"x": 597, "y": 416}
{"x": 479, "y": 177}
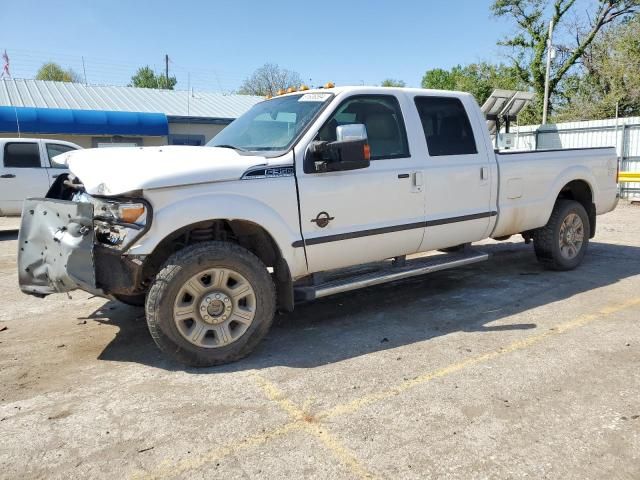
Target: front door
{"x": 365, "y": 215}
{"x": 457, "y": 175}
{"x": 55, "y": 169}
{"x": 22, "y": 176}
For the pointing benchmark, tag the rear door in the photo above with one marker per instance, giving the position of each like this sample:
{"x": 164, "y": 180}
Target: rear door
{"x": 23, "y": 175}
{"x": 457, "y": 171}
{"x": 358, "y": 216}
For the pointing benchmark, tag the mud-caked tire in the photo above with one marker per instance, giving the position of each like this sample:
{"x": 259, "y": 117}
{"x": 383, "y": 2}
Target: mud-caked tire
{"x": 210, "y": 304}
{"x": 562, "y": 243}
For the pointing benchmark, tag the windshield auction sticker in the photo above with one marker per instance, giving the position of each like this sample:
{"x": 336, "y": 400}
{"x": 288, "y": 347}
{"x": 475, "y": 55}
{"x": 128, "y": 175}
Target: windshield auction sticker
{"x": 314, "y": 97}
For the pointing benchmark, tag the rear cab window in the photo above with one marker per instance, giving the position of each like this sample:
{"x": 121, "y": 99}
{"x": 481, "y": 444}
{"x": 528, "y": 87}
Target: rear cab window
{"x": 21, "y": 155}
{"x": 446, "y": 126}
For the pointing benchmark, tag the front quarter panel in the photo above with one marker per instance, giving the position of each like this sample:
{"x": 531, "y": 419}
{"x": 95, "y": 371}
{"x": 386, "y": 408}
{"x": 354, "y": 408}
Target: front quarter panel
{"x": 268, "y": 202}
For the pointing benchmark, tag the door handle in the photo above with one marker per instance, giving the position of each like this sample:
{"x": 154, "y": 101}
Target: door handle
{"x": 484, "y": 173}
{"x": 403, "y": 175}
{"x": 417, "y": 182}
{"x": 8, "y": 175}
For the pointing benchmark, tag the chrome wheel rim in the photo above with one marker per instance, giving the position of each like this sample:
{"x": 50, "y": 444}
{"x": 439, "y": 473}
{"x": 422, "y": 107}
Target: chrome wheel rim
{"x": 571, "y": 236}
{"x": 214, "y": 308}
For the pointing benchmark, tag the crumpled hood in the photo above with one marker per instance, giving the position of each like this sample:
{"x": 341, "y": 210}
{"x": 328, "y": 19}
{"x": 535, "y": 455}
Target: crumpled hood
{"x": 114, "y": 171}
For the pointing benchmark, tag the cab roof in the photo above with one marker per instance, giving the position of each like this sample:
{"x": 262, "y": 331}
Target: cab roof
{"x": 376, "y": 89}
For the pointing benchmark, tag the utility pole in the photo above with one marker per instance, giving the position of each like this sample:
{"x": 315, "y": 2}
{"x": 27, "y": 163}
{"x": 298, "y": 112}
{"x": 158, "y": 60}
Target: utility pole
{"x": 545, "y": 108}
{"x": 85, "y": 71}
{"x": 166, "y": 69}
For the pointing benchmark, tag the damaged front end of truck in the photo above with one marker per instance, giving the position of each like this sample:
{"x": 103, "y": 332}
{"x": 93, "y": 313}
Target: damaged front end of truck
{"x": 72, "y": 240}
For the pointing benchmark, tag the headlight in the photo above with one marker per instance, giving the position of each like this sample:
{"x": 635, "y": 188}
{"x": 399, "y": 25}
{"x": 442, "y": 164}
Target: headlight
{"x": 132, "y": 213}
{"x": 117, "y": 222}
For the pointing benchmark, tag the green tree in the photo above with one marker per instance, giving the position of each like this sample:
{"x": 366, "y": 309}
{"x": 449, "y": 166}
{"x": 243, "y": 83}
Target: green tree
{"x": 528, "y": 46}
{"x": 392, "y": 82}
{"x": 145, "y": 77}
{"x": 268, "y": 79}
{"x": 610, "y": 78}
{"x": 479, "y": 79}
{"x": 53, "y": 71}
{"x": 439, "y": 79}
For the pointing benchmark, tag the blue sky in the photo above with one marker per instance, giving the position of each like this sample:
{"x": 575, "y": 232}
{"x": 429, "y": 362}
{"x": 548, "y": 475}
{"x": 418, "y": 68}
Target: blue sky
{"x": 214, "y": 45}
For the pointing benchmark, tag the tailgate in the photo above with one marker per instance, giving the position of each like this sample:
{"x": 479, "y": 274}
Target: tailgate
{"x": 55, "y": 247}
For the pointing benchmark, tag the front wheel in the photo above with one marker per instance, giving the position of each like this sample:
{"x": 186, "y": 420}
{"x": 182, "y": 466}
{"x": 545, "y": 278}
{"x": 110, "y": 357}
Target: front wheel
{"x": 562, "y": 242}
{"x": 210, "y": 304}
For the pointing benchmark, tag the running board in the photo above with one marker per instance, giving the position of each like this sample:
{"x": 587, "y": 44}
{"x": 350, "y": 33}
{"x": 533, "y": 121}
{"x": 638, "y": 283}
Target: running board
{"x": 412, "y": 268}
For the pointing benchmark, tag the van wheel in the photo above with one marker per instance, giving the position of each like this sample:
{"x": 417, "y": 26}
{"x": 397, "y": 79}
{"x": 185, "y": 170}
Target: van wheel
{"x": 562, "y": 242}
{"x": 211, "y": 303}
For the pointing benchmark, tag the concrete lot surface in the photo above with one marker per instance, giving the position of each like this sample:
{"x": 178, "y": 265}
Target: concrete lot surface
{"x": 498, "y": 370}
{"x": 9, "y": 224}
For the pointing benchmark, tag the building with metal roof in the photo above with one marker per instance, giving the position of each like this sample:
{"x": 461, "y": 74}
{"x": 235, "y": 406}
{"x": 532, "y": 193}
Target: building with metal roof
{"x": 94, "y": 115}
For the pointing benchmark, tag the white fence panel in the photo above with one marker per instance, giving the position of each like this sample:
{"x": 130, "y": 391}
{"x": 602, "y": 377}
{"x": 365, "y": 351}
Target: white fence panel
{"x": 623, "y": 134}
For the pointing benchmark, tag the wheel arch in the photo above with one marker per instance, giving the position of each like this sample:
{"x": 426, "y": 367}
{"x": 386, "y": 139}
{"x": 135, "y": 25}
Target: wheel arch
{"x": 581, "y": 191}
{"x": 247, "y": 234}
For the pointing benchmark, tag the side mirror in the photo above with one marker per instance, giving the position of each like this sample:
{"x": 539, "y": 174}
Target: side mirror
{"x": 354, "y": 131}
{"x": 338, "y": 156}
{"x": 349, "y": 152}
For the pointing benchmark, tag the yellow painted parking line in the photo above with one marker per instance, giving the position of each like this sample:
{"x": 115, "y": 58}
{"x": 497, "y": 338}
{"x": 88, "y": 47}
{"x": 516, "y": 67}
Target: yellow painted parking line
{"x": 302, "y": 420}
{"x": 582, "y": 320}
{"x": 311, "y": 425}
{"x": 167, "y": 469}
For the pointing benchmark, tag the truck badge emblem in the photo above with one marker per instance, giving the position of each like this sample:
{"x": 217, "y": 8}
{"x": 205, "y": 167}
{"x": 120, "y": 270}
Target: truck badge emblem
{"x": 322, "y": 220}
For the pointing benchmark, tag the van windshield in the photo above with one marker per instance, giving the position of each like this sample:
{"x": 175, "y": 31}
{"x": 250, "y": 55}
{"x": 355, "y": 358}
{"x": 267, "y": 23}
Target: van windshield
{"x": 272, "y": 125}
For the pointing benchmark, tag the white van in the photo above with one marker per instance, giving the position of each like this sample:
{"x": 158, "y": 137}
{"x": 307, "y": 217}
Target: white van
{"x": 27, "y": 169}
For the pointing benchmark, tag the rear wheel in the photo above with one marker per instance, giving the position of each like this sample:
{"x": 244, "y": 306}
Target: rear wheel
{"x": 562, "y": 242}
{"x": 210, "y": 304}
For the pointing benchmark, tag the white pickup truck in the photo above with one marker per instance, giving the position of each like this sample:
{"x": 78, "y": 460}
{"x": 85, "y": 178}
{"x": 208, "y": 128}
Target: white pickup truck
{"x": 28, "y": 169}
{"x": 306, "y": 195}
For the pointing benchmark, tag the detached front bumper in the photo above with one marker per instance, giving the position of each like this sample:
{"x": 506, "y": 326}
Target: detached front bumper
{"x": 57, "y": 252}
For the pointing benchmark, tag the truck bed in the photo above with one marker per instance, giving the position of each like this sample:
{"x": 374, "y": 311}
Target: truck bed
{"x": 529, "y": 183}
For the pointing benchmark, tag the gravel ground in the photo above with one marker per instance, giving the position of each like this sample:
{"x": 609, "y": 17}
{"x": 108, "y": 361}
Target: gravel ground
{"x": 496, "y": 370}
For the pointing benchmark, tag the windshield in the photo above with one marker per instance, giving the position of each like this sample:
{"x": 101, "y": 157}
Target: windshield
{"x": 271, "y": 125}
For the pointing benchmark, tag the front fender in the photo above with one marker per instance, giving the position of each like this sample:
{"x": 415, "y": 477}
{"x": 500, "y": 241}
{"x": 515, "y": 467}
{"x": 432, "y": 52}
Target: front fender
{"x": 175, "y": 215}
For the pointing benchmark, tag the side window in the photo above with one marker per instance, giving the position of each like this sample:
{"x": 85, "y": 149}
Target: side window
{"x": 54, "y": 149}
{"x": 22, "y": 155}
{"x": 382, "y": 118}
{"x": 446, "y": 126}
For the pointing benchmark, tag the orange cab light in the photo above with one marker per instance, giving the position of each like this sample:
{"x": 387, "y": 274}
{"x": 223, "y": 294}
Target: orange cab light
{"x": 269, "y": 97}
{"x": 281, "y": 92}
{"x": 367, "y": 152}
{"x": 303, "y": 88}
{"x": 291, "y": 90}
{"x": 329, "y": 85}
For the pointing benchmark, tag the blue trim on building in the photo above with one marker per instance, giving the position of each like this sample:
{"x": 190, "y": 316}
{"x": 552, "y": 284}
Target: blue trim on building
{"x": 200, "y": 120}
{"x": 82, "y": 122}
